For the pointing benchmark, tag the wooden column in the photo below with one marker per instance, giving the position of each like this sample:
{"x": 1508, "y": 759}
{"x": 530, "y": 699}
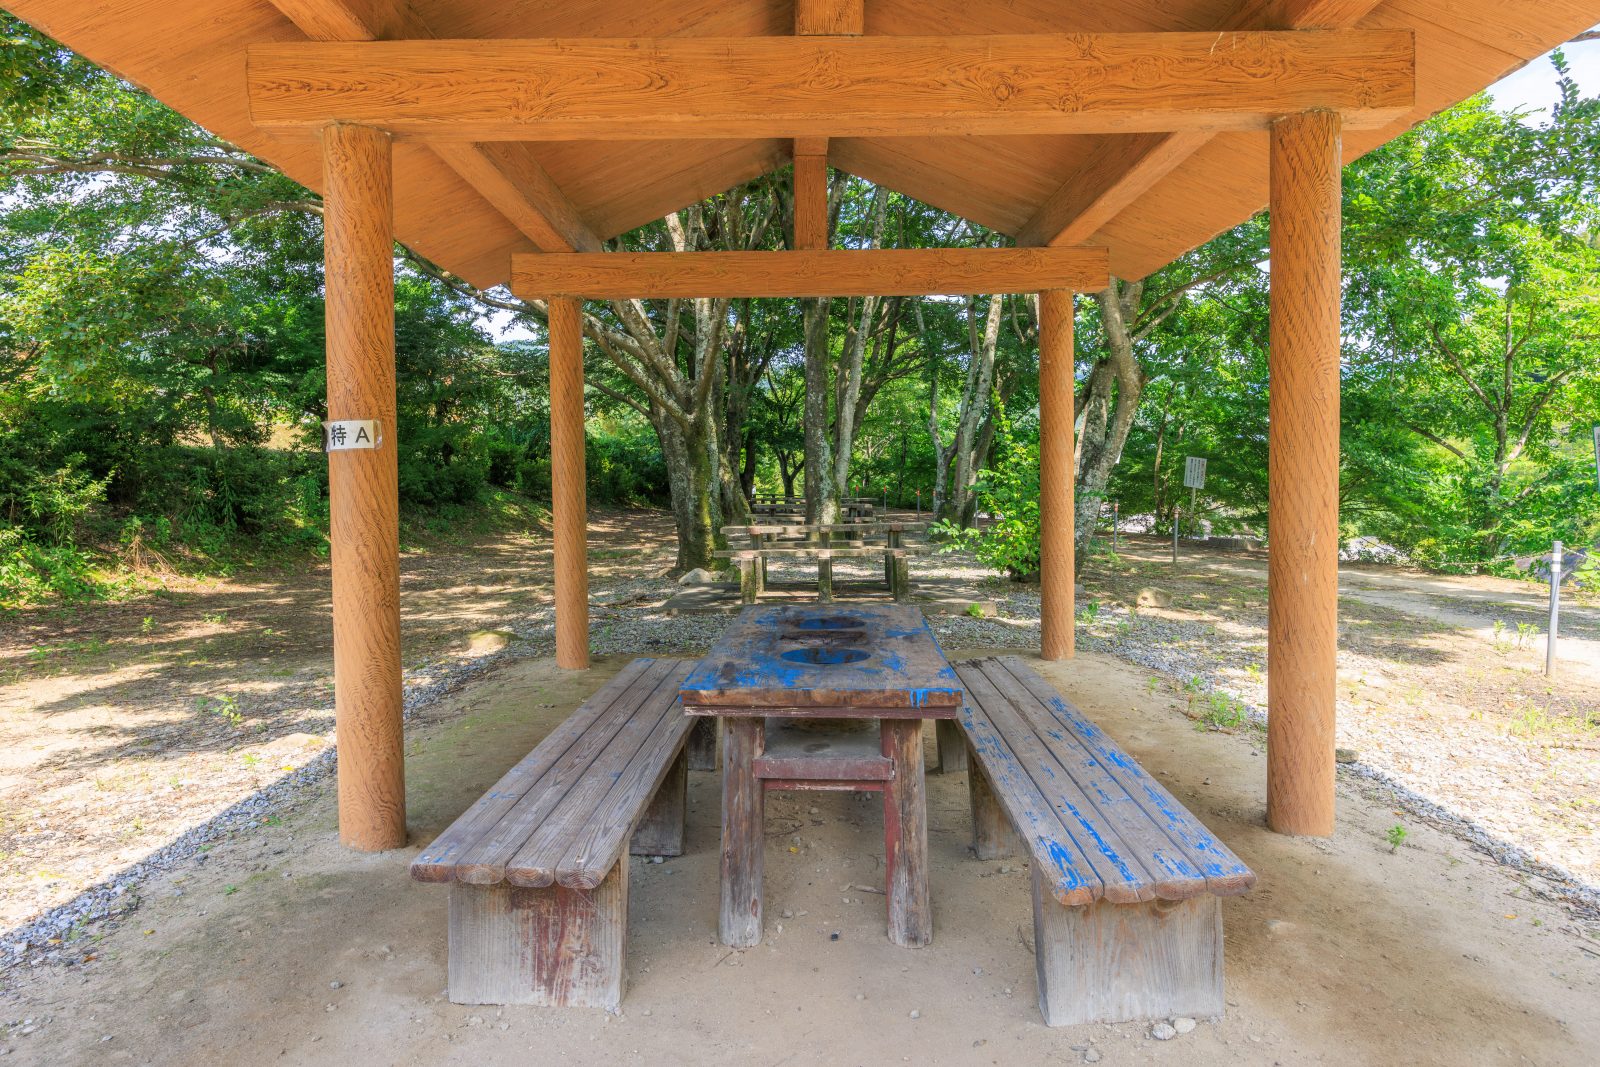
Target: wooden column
{"x": 363, "y": 487}
{"x": 1303, "y": 473}
{"x": 1056, "y": 548}
{"x": 568, "y": 507}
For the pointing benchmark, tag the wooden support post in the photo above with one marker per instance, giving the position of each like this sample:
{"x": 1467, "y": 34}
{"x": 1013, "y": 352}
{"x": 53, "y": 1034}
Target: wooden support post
{"x": 1112, "y": 963}
{"x": 743, "y": 809}
{"x": 1056, "y": 474}
{"x": 952, "y": 743}
{"x": 749, "y": 582}
{"x": 901, "y": 584}
{"x": 363, "y": 487}
{"x": 702, "y": 745}
{"x": 1303, "y": 473}
{"x": 553, "y": 947}
{"x": 660, "y": 828}
{"x": 905, "y": 834}
{"x": 567, "y": 476}
{"x": 992, "y": 836}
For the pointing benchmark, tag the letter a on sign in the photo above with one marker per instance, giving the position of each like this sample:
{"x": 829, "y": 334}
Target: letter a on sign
{"x": 341, "y": 435}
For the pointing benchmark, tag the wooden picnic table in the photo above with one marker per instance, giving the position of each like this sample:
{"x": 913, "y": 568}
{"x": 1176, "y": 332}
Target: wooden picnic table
{"x": 822, "y": 543}
{"x": 777, "y": 665}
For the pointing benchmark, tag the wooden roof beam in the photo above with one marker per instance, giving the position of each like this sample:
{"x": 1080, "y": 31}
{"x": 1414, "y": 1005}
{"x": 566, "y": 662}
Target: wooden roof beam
{"x": 887, "y": 272}
{"x": 873, "y": 86}
{"x": 1110, "y": 180}
{"x": 507, "y": 176}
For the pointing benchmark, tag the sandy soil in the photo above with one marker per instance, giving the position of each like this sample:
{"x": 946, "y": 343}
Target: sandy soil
{"x": 283, "y": 948}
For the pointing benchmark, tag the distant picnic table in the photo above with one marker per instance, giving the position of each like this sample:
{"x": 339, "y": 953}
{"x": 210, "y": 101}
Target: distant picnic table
{"x": 752, "y": 547}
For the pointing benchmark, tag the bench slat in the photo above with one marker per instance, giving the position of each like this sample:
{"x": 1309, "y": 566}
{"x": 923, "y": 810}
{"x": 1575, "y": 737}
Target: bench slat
{"x": 1116, "y": 860}
{"x": 484, "y": 861}
{"x": 1140, "y": 840}
{"x": 439, "y": 859}
{"x": 1156, "y": 862}
{"x": 1224, "y": 873}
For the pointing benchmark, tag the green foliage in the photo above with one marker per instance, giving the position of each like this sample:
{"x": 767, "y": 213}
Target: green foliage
{"x": 1396, "y": 836}
{"x": 1009, "y": 493}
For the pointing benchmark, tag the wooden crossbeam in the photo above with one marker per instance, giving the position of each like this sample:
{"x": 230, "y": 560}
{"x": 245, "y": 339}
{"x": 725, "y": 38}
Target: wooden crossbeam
{"x": 1110, "y": 180}
{"x": 507, "y": 176}
{"x": 886, "y": 272}
{"x": 873, "y": 86}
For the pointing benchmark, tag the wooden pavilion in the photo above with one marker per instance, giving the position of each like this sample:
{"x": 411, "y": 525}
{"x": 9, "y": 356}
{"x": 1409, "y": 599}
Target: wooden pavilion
{"x": 1105, "y": 138}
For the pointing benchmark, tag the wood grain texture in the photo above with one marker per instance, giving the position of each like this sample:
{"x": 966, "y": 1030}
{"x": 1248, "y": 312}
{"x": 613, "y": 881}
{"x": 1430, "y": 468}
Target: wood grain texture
{"x": 992, "y": 836}
{"x": 761, "y": 663}
{"x": 1096, "y": 823}
{"x": 1057, "y": 549}
{"x": 660, "y": 830}
{"x": 905, "y": 836}
{"x": 506, "y": 176}
{"x": 556, "y": 947}
{"x": 829, "y": 17}
{"x": 743, "y": 844}
{"x": 952, "y": 746}
{"x": 568, "y": 475}
{"x": 788, "y": 87}
{"x": 1111, "y": 180}
{"x": 1303, "y": 474}
{"x": 702, "y": 746}
{"x": 809, "y": 273}
{"x": 1113, "y": 963}
{"x": 810, "y": 200}
{"x": 363, "y": 488}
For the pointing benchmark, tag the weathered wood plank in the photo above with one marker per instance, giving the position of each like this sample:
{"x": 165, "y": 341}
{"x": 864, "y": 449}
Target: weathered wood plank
{"x": 661, "y": 828}
{"x": 702, "y": 745}
{"x": 1109, "y": 963}
{"x": 875, "y": 86}
{"x": 952, "y": 746}
{"x": 1224, "y": 872}
{"x": 905, "y": 833}
{"x": 992, "y": 835}
{"x": 553, "y": 947}
{"x": 743, "y": 845}
{"x": 438, "y": 860}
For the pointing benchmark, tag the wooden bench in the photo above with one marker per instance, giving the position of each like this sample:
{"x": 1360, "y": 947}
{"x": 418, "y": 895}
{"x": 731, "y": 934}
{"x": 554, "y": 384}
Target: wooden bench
{"x": 1126, "y": 883}
{"x": 538, "y": 867}
{"x": 752, "y": 566}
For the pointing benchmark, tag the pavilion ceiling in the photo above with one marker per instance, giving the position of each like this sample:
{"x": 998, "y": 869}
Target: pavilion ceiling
{"x": 1147, "y": 197}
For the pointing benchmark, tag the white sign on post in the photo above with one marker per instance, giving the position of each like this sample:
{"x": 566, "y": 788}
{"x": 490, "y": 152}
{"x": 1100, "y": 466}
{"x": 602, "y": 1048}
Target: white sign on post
{"x": 341, "y": 435}
{"x": 1194, "y": 473}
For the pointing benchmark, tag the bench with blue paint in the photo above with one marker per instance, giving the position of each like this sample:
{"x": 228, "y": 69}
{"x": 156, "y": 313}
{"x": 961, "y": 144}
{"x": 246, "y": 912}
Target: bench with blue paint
{"x": 538, "y": 867}
{"x": 1126, "y": 882}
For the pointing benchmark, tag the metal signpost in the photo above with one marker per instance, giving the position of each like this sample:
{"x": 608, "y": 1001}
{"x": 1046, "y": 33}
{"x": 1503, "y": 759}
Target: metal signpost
{"x": 1556, "y": 554}
{"x": 1194, "y": 478}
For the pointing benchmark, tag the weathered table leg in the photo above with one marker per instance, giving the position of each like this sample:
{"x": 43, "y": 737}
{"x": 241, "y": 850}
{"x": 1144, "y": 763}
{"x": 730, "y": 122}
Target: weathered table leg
{"x": 952, "y": 746}
{"x": 761, "y": 564}
{"x": 554, "y": 947}
{"x": 1103, "y": 962}
{"x": 905, "y": 834}
{"x": 660, "y": 829}
{"x": 992, "y": 836}
{"x": 702, "y": 744}
{"x": 747, "y": 579}
{"x": 825, "y": 580}
{"x": 902, "y": 577}
{"x": 742, "y": 842}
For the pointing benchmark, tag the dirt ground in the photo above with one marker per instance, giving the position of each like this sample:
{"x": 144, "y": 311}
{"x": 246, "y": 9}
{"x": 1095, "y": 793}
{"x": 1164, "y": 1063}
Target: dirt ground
{"x": 284, "y": 948}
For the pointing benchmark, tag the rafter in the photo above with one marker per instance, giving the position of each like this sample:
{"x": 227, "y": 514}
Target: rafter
{"x": 873, "y": 86}
{"x": 507, "y": 176}
{"x": 1112, "y": 179}
{"x": 885, "y": 272}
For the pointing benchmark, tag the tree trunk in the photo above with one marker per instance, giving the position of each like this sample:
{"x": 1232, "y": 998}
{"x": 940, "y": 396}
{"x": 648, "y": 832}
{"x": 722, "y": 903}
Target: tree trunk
{"x": 1108, "y": 403}
{"x": 822, "y": 498}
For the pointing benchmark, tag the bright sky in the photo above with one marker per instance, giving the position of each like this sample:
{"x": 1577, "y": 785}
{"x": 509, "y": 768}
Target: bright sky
{"x": 1531, "y": 88}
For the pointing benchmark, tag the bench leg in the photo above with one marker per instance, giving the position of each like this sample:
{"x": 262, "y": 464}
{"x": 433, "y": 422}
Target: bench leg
{"x": 902, "y": 579}
{"x": 952, "y": 746}
{"x": 992, "y": 836}
{"x": 660, "y": 830}
{"x": 553, "y": 947}
{"x": 702, "y": 745}
{"x": 748, "y": 584}
{"x": 743, "y": 810}
{"x": 825, "y": 581}
{"x": 905, "y": 833}
{"x": 1112, "y": 963}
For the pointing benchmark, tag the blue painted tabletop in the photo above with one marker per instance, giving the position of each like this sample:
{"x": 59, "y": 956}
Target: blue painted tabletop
{"x": 867, "y": 660}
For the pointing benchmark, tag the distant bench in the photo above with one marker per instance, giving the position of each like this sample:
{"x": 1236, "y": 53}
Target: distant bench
{"x": 1127, "y": 920}
{"x": 823, "y": 543}
{"x": 538, "y": 867}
